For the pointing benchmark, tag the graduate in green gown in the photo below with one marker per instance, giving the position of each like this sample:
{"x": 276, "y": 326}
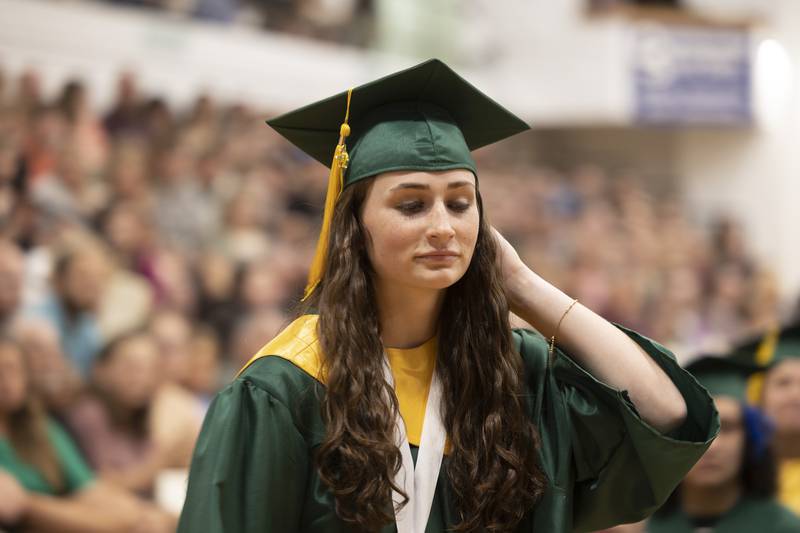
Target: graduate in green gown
{"x": 402, "y": 400}
{"x": 775, "y": 390}
{"x": 732, "y": 488}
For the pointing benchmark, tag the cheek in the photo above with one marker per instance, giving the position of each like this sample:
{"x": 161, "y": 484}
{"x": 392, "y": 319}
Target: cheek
{"x": 473, "y": 226}
{"x": 467, "y": 232}
{"x": 390, "y": 256}
{"x": 770, "y": 401}
{"x": 392, "y": 238}
{"x": 12, "y": 392}
{"x": 725, "y": 454}
{"x": 733, "y": 451}
{"x": 778, "y": 398}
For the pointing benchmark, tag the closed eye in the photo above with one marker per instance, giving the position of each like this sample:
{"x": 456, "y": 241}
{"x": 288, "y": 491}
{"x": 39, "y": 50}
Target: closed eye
{"x": 411, "y": 207}
{"x": 459, "y": 207}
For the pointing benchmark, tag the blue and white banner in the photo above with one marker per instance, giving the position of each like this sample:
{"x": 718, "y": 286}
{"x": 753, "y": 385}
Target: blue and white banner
{"x": 692, "y": 75}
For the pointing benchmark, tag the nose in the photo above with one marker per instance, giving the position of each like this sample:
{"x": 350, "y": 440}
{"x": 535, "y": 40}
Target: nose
{"x": 440, "y": 230}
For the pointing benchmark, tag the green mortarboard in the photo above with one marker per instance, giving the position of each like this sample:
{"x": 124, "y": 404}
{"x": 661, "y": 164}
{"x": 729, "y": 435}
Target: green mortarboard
{"x": 771, "y": 347}
{"x": 767, "y": 350}
{"x": 424, "y": 118}
{"x": 722, "y": 376}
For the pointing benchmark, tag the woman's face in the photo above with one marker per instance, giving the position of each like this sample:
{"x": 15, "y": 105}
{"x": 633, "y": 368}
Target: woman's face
{"x": 83, "y": 281}
{"x": 13, "y": 381}
{"x": 422, "y": 227}
{"x": 131, "y": 374}
{"x": 781, "y": 397}
{"x": 723, "y": 460}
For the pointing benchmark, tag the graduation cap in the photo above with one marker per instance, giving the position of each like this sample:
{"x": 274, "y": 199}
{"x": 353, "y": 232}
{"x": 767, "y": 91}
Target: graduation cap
{"x": 776, "y": 345}
{"x": 725, "y": 376}
{"x": 722, "y": 376}
{"x": 424, "y": 118}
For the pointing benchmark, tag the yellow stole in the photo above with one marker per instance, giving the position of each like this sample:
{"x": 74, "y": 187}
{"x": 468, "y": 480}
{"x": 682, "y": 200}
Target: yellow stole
{"x": 412, "y": 368}
{"x": 789, "y": 484}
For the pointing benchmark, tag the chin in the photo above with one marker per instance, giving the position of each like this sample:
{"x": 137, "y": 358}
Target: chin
{"x": 430, "y": 284}
{"x": 707, "y": 480}
{"x": 438, "y": 280}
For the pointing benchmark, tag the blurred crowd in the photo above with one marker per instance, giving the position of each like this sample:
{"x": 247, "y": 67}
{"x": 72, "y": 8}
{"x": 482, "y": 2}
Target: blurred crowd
{"x": 147, "y": 252}
{"x": 340, "y": 21}
{"x": 634, "y": 256}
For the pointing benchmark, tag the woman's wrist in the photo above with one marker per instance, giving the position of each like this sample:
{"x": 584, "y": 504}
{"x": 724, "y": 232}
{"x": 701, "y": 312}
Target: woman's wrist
{"x": 529, "y": 296}
{"x": 537, "y": 301}
{"x": 520, "y": 285}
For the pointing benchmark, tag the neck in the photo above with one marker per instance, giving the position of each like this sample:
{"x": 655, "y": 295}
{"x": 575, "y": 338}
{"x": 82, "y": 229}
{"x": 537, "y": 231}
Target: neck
{"x": 120, "y": 416}
{"x": 709, "y": 500}
{"x": 408, "y": 317}
{"x": 786, "y": 445}
{"x": 3, "y": 424}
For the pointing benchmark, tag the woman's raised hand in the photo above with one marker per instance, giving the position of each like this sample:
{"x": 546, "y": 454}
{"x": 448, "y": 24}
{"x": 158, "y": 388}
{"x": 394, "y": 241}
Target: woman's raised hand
{"x": 512, "y": 269}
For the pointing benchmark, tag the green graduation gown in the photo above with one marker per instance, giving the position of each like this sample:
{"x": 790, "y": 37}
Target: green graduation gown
{"x": 253, "y": 469}
{"x": 750, "y": 515}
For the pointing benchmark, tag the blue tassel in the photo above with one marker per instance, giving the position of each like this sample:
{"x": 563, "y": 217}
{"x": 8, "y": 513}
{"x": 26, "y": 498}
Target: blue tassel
{"x": 759, "y": 430}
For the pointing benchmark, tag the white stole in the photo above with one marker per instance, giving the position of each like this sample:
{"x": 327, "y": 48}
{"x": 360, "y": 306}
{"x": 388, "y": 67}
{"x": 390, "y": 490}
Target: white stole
{"x": 419, "y": 483}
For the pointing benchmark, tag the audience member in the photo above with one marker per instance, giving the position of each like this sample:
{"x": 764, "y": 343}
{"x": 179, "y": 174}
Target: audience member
{"x": 53, "y": 489}
{"x": 79, "y": 279}
{"x": 111, "y": 422}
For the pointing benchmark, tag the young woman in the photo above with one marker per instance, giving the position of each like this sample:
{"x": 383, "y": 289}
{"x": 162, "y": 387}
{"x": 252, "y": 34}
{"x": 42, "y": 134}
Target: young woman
{"x": 111, "y": 422}
{"x": 401, "y": 399}
{"x": 777, "y": 392}
{"x": 732, "y": 488}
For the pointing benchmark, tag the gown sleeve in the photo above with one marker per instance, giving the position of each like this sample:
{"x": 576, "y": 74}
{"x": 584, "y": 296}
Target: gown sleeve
{"x": 250, "y": 466}
{"x": 624, "y": 469}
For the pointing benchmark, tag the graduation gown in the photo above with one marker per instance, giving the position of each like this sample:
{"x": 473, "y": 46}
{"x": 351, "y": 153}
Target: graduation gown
{"x": 253, "y": 469}
{"x": 750, "y": 515}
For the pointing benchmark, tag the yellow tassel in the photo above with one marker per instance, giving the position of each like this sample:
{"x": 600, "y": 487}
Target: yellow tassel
{"x": 335, "y": 185}
{"x": 765, "y": 353}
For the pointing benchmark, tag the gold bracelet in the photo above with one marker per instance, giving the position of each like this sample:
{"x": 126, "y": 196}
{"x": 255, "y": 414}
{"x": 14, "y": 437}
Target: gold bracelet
{"x": 558, "y": 326}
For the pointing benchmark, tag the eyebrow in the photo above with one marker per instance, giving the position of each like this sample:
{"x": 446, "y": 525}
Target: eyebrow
{"x": 422, "y": 186}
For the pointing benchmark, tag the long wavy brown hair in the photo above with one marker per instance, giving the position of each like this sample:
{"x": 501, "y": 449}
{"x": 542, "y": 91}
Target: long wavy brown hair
{"x": 27, "y": 429}
{"x": 492, "y": 465}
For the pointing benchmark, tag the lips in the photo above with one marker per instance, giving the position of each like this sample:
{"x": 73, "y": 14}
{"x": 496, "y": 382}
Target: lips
{"x": 438, "y": 255}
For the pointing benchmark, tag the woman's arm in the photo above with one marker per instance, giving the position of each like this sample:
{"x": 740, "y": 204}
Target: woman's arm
{"x": 95, "y": 509}
{"x": 70, "y": 515}
{"x": 139, "y": 477}
{"x": 14, "y": 500}
{"x": 595, "y": 343}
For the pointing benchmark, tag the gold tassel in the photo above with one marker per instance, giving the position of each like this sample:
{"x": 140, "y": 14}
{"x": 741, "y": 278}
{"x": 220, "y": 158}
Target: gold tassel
{"x": 335, "y": 185}
{"x": 765, "y": 353}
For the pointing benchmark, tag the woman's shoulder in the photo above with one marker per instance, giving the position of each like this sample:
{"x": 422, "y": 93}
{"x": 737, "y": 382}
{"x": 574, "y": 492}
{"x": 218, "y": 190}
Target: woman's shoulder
{"x": 289, "y": 365}
{"x": 277, "y": 375}
{"x": 273, "y": 387}
{"x": 297, "y": 343}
